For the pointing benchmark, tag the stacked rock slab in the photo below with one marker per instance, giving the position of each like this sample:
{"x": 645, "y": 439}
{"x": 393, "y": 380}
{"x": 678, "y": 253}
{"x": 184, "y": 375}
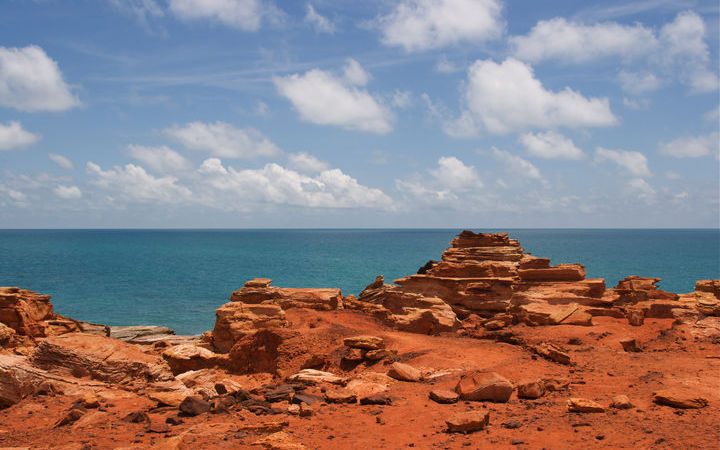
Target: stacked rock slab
{"x": 403, "y": 310}
{"x": 488, "y": 274}
{"x": 259, "y": 305}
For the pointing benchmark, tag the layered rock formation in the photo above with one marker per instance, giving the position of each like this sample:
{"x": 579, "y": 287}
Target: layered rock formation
{"x": 31, "y": 314}
{"x": 258, "y": 305}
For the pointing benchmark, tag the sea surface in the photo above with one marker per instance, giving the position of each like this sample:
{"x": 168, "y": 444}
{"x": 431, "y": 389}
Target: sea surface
{"x": 178, "y": 278}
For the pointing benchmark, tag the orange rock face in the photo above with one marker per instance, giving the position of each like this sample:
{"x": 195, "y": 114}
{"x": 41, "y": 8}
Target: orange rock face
{"x": 25, "y": 311}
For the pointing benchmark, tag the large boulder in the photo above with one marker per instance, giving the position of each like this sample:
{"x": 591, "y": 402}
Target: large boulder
{"x": 99, "y": 357}
{"x": 484, "y": 385}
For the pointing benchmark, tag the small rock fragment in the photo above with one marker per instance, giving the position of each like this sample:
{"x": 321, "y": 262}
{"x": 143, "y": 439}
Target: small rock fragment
{"x": 379, "y": 398}
{"x": 340, "y": 396}
{"x": 89, "y": 400}
{"x": 531, "y": 388}
{"x": 194, "y": 406}
{"x": 365, "y": 342}
{"x": 279, "y": 441}
{"x": 72, "y": 416}
{"x": 621, "y": 402}
{"x": 468, "y": 421}
{"x": 444, "y": 396}
{"x": 552, "y": 352}
{"x": 377, "y": 355}
{"x": 581, "y": 405}
{"x": 404, "y": 372}
{"x": 629, "y": 344}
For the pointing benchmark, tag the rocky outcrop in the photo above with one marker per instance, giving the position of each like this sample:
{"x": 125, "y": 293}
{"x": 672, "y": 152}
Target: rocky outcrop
{"x": 486, "y": 275}
{"x": 258, "y": 305}
{"x": 404, "y": 311}
{"x": 259, "y": 291}
{"x": 100, "y": 358}
{"x": 31, "y": 314}
{"x": 25, "y": 311}
{"x": 705, "y": 299}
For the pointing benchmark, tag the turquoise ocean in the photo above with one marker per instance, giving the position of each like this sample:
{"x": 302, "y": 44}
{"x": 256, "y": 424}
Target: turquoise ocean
{"x": 178, "y": 278}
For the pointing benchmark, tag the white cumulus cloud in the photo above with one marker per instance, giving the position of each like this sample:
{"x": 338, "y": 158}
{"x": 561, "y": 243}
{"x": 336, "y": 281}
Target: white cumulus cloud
{"x": 275, "y": 184}
{"x": 417, "y": 25}
{"x": 506, "y": 97}
{"x": 683, "y": 45}
{"x": 692, "y": 147}
{"x": 13, "y": 136}
{"x": 551, "y": 145}
{"x": 324, "y": 99}
{"x": 31, "y": 81}
{"x": 678, "y": 49}
{"x": 306, "y": 163}
{"x": 567, "y": 41}
{"x": 61, "y": 161}
{"x": 632, "y": 162}
{"x": 450, "y": 179}
{"x": 223, "y": 140}
{"x": 68, "y": 192}
{"x": 133, "y": 183}
{"x": 160, "y": 159}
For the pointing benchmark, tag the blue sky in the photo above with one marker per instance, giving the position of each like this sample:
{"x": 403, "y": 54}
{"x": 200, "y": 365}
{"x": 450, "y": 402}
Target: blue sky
{"x": 413, "y": 113}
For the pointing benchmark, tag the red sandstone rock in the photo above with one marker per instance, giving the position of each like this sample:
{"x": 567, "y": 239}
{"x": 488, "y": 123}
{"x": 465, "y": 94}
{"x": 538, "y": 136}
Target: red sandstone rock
{"x": 468, "y": 422}
{"x": 185, "y": 357}
{"x": 621, "y": 402}
{"x": 680, "y": 397}
{"x": 404, "y": 372}
{"x": 709, "y": 286}
{"x": 552, "y": 352}
{"x": 24, "y": 311}
{"x": 259, "y": 290}
{"x": 365, "y": 342}
{"x": 581, "y": 405}
{"x": 484, "y": 385}
{"x": 531, "y": 388}
{"x": 260, "y": 351}
{"x": 235, "y": 320}
{"x": 561, "y": 272}
{"x": 444, "y": 396}
{"x": 100, "y": 357}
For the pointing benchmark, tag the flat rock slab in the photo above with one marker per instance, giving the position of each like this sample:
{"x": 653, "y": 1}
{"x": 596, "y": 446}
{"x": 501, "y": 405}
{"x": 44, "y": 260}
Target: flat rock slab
{"x": 468, "y": 422}
{"x": 581, "y": 405}
{"x": 130, "y": 332}
{"x": 444, "y": 396}
{"x": 680, "y": 398}
{"x": 340, "y": 396}
{"x": 316, "y": 376}
{"x": 100, "y": 357}
{"x": 365, "y": 342}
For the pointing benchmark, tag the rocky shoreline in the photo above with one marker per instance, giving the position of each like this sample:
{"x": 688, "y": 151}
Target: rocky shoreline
{"x": 490, "y": 346}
